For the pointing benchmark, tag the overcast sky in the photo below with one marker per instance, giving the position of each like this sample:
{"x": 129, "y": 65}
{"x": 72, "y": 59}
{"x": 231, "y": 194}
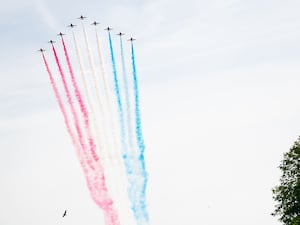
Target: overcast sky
{"x": 220, "y": 104}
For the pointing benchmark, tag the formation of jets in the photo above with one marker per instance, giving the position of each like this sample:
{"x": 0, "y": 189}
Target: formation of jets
{"x": 72, "y": 26}
{"x": 95, "y": 23}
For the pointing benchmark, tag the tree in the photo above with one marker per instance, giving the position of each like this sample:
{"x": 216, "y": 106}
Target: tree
{"x": 287, "y": 194}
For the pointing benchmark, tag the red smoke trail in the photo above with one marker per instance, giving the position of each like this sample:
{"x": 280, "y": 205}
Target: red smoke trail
{"x": 102, "y": 199}
{"x": 81, "y": 103}
{"x": 69, "y": 99}
{"x": 63, "y": 110}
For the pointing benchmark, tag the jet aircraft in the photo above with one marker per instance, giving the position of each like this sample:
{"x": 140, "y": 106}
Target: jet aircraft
{"x": 60, "y": 34}
{"x": 108, "y": 29}
{"x": 41, "y": 50}
{"x": 95, "y": 23}
{"x": 120, "y": 34}
{"x": 72, "y": 25}
{"x": 81, "y": 17}
{"x": 131, "y": 39}
{"x": 51, "y": 42}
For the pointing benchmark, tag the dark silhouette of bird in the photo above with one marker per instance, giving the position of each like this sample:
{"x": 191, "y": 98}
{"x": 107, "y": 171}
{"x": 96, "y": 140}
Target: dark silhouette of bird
{"x": 65, "y": 213}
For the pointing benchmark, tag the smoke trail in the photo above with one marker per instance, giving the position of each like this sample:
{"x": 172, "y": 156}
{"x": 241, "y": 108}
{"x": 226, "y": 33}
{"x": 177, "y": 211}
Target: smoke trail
{"x": 74, "y": 114}
{"x": 141, "y": 211}
{"x": 107, "y": 95}
{"x": 62, "y": 109}
{"x": 138, "y": 127}
{"x": 69, "y": 130}
{"x": 125, "y": 155}
{"x": 101, "y": 197}
{"x": 92, "y": 68}
{"x": 88, "y": 94}
{"x": 79, "y": 99}
{"x": 119, "y": 102}
{"x": 127, "y": 100}
{"x": 133, "y": 170}
{"x": 96, "y": 86}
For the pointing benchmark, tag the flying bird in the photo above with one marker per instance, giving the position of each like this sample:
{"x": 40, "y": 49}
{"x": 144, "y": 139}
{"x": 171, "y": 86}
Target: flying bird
{"x": 65, "y": 213}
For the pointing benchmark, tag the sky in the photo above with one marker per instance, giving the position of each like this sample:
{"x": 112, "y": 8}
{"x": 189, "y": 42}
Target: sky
{"x": 219, "y": 85}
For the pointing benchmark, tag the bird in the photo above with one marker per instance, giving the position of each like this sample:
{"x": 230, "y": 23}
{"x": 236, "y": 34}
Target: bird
{"x": 65, "y": 213}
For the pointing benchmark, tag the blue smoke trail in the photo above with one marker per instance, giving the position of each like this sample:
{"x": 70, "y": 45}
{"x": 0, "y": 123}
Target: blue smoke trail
{"x": 142, "y": 174}
{"x": 120, "y": 106}
{"x": 137, "y": 181}
{"x": 138, "y": 127}
{"x": 127, "y": 99}
{"x": 116, "y": 81}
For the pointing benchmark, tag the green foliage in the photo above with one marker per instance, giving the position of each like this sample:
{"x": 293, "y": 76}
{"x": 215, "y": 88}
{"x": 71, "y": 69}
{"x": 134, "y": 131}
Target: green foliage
{"x": 287, "y": 194}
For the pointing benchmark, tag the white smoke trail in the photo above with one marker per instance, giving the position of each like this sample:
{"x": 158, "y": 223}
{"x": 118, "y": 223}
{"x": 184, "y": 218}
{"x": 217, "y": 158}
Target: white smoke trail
{"x": 89, "y": 100}
{"x": 108, "y": 97}
{"x": 102, "y": 114}
{"x": 114, "y": 178}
